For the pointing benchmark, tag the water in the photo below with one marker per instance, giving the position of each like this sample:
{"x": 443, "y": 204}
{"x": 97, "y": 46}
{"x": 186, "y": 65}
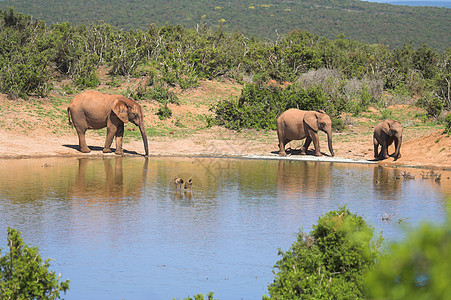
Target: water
{"x": 118, "y": 228}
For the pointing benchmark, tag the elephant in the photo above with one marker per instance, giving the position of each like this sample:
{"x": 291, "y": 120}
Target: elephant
{"x": 95, "y": 110}
{"x": 385, "y": 133}
{"x": 295, "y": 124}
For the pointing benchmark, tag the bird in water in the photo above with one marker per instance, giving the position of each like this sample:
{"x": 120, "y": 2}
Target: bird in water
{"x": 178, "y": 182}
{"x": 188, "y": 184}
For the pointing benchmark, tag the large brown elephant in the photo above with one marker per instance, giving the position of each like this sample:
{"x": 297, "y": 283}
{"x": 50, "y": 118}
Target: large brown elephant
{"x": 95, "y": 110}
{"x": 385, "y": 133}
{"x": 295, "y": 124}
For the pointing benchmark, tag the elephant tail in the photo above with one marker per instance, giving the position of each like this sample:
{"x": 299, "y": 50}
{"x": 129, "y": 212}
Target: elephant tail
{"x": 68, "y": 116}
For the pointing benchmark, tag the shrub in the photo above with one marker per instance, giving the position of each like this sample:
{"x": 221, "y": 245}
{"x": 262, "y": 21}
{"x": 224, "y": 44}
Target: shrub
{"x": 417, "y": 268}
{"x": 23, "y": 274}
{"x": 164, "y": 112}
{"x": 448, "y": 124}
{"x": 259, "y": 105}
{"x": 431, "y": 103}
{"x": 328, "y": 263}
{"x": 201, "y": 297}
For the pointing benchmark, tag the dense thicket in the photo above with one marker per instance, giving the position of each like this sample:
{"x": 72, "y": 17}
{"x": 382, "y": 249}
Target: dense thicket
{"x": 335, "y": 75}
{"x": 362, "y": 21}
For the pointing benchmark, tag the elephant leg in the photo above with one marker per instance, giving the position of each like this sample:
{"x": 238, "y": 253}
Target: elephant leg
{"x": 119, "y": 136}
{"x": 282, "y": 144}
{"x": 110, "y": 133}
{"x": 82, "y": 141}
{"x": 397, "y": 153}
{"x": 304, "y": 147}
{"x": 376, "y": 146}
{"x": 314, "y": 137}
{"x": 384, "y": 151}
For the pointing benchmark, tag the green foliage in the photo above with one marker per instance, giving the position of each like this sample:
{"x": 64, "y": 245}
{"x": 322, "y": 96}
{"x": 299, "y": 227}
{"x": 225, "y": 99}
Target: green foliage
{"x": 23, "y": 274}
{"x": 363, "y": 21}
{"x": 338, "y": 124}
{"x": 448, "y": 124}
{"x": 164, "y": 112}
{"x": 339, "y": 74}
{"x": 210, "y": 296}
{"x": 431, "y": 103}
{"x": 23, "y": 63}
{"x": 418, "y": 267}
{"x": 259, "y": 105}
{"x": 328, "y": 263}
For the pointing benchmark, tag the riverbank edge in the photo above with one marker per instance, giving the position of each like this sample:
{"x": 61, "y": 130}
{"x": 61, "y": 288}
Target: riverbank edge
{"x": 306, "y": 158}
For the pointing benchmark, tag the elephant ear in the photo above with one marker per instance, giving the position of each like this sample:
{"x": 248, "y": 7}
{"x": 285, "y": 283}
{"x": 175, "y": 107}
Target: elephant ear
{"x": 121, "y": 111}
{"x": 385, "y": 127}
{"x": 311, "y": 119}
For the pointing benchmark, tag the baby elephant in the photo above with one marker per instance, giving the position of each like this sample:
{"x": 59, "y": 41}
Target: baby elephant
{"x": 385, "y": 133}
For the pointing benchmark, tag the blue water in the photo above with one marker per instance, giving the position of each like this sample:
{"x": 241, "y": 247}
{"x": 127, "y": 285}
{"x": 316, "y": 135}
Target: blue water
{"x": 118, "y": 228}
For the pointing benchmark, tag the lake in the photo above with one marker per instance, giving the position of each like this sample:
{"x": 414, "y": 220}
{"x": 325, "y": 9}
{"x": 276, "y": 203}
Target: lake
{"x": 119, "y": 228}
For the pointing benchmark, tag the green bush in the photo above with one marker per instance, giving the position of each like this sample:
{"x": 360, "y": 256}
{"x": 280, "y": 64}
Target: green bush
{"x": 431, "y": 103}
{"x": 448, "y": 124}
{"x": 201, "y": 297}
{"x": 328, "y": 263}
{"x": 23, "y": 274}
{"x": 418, "y": 267}
{"x": 164, "y": 112}
{"x": 259, "y": 106}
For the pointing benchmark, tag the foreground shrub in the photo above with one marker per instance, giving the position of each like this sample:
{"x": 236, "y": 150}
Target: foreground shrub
{"x": 328, "y": 263}
{"x": 417, "y": 268}
{"x": 201, "y": 297}
{"x": 23, "y": 274}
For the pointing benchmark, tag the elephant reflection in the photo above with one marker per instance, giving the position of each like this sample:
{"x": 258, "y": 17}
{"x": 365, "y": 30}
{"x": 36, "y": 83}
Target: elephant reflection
{"x": 303, "y": 179}
{"x": 106, "y": 179}
{"x": 387, "y": 181}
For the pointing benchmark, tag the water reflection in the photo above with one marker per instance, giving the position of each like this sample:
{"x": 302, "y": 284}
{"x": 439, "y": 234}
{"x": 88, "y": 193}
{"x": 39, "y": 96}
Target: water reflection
{"x": 387, "y": 182}
{"x": 103, "y": 180}
{"x": 118, "y": 227}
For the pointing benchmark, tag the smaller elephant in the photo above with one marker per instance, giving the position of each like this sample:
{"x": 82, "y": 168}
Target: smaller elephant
{"x": 385, "y": 133}
{"x": 295, "y": 124}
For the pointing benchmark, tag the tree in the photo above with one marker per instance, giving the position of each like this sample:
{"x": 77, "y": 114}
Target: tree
{"x": 23, "y": 274}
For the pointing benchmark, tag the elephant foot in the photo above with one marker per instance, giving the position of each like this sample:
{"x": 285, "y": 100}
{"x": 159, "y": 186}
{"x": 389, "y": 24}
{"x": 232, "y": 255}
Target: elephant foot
{"x": 85, "y": 150}
{"x": 318, "y": 154}
{"x": 119, "y": 152}
{"x": 107, "y": 150}
{"x": 282, "y": 153}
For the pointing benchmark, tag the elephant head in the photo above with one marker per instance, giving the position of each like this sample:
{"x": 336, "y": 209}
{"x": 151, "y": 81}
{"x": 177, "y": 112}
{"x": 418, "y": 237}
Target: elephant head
{"x": 129, "y": 110}
{"x": 319, "y": 120}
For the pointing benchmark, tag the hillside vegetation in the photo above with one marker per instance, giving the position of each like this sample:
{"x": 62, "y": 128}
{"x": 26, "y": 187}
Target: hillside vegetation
{"x": 362, "y": 21}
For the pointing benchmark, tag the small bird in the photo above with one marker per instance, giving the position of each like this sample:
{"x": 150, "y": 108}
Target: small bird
{"x": 188, "y": 184}
{"x": 178, "y": 182}
{"x": 438, "y": 178}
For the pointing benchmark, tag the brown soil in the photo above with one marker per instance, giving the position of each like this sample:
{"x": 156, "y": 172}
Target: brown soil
{"x": 39, "y": 128}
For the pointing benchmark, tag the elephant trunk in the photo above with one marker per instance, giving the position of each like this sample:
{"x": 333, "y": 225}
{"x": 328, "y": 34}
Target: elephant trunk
{"x": 144, "y": 136}
{"x": 329, "y": 141}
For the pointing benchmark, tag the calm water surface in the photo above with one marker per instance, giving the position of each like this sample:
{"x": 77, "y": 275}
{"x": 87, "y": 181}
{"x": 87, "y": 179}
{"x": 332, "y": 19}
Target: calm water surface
{"x": 119, "y": 229}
